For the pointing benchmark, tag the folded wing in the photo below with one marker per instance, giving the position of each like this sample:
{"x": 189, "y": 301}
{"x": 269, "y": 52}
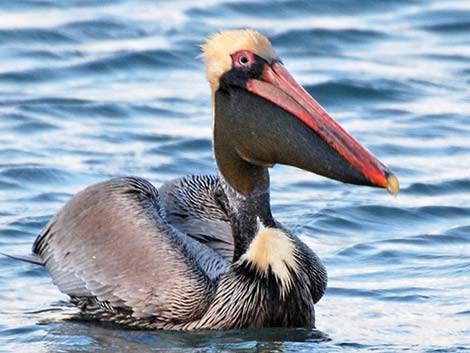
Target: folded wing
{"x": 111, "y": 245}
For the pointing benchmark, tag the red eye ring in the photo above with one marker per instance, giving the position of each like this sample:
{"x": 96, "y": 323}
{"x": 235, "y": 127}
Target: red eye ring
{"x": 243, "y": 58}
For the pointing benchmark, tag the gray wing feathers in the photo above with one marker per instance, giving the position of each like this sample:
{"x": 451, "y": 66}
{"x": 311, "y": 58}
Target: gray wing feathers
{"x": 112, "y": 242}
{"x": 195, "y": 205}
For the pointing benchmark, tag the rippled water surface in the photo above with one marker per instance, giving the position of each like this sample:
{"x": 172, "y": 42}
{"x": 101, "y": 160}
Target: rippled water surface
{"x": 95, "y": 89}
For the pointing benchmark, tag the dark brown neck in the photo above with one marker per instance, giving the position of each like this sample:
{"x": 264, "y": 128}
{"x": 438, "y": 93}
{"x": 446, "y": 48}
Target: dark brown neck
{"x": 245, "y": 212}
{"x": 247, "y": 189}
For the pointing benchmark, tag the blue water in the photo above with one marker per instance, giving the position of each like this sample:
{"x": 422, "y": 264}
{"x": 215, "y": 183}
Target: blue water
{"x": 94, "y": 89}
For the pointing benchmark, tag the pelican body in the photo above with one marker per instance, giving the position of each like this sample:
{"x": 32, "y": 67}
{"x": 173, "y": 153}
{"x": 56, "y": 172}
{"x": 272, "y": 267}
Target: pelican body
{"x": 205, "y": 252}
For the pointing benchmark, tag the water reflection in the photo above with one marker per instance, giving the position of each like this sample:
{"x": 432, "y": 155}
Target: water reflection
{"x": 92, "y": 337}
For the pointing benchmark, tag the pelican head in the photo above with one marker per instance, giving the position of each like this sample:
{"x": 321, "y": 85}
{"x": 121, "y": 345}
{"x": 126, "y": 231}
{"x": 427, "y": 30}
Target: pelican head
{"x": 262, "y": 116}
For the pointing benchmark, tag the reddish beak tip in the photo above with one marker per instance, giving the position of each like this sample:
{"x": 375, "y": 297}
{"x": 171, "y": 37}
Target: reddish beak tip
{"x": 393, "y": 185}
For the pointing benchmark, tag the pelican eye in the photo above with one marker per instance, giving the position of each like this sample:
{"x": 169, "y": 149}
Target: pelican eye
{"x": 243, "y": 60}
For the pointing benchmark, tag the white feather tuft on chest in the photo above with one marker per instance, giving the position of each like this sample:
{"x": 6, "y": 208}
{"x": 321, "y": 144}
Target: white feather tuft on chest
{"x": 273, "y": 249}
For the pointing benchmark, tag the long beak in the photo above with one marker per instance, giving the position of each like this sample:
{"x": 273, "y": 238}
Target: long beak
{"x": 278, "y": 86}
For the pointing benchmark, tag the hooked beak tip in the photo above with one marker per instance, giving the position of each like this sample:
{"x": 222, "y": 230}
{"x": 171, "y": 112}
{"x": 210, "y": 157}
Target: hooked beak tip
{"x": 393, "y": 185}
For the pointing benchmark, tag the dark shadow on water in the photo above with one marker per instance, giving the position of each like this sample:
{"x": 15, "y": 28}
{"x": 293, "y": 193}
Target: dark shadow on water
{"x": 75, "y": 335}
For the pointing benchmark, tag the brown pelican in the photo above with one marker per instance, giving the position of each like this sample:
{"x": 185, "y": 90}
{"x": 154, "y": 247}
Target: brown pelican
{"x": 205, "y": 252}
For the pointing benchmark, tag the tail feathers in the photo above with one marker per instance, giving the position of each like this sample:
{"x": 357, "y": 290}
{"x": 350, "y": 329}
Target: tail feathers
{"x": 31, "y": 258}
